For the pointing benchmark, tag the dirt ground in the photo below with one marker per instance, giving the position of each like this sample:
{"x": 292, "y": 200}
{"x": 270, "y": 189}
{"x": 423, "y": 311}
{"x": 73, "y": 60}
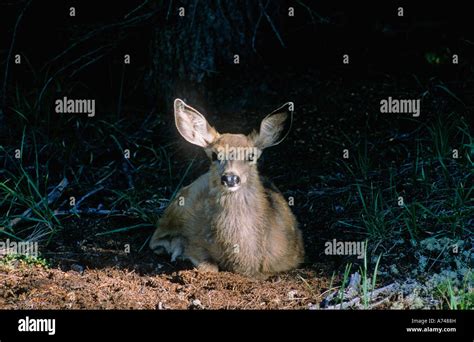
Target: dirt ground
{"x": 39, "y": 288}
{"x": 96, "y": 273}
{"x": 89, "y": 272}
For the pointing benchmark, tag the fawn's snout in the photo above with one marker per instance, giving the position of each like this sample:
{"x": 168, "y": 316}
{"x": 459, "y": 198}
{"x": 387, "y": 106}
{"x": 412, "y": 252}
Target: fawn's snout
{"x": 230, "y": 180}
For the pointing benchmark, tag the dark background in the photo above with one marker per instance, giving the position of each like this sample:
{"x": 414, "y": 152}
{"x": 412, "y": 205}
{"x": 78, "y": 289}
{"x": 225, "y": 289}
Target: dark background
{"x": 377, "y": 40}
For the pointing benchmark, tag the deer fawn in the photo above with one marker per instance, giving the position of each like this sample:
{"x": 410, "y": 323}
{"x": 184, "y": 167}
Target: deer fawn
{"x": 230, "y": 218}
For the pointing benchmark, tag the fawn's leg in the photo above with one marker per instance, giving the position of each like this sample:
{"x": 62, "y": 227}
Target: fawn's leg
{"x": 174, "y": 246}
{"x": 200, "y": 258}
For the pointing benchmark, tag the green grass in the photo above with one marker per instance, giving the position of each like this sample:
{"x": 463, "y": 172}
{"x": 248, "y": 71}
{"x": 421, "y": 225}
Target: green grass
{"x": 24, "y": 184}
{"x": 25, "y": 191}
{"x": 437, "y": 192}
{"x": 368, "y": 284}
{"x": 361, "y": 163}
{"x": 367, "y": 281}
{"x": 344, "y": 283}
{"x": 9, "y": 259}
{"x": 457, "y": 297}
{"x": 88, "y": 151}
{"x": 436, "y": 188}
{"x": 144, "y": 205}
{"x": 375, "y": 213}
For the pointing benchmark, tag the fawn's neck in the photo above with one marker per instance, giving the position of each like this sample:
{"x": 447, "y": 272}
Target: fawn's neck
{"x": 240, "y": 215}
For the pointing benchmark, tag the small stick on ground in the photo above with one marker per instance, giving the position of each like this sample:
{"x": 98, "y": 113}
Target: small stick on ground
{"x": 353, "y": 287}
{"x": 52, "y": 197}
{"x": 88, "y": 211}
{"x": 388, "y": 291}
{"x": 383, "y": 301}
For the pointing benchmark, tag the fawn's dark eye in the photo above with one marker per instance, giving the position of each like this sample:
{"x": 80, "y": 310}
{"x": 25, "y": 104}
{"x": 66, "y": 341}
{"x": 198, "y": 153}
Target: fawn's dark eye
{"x": 214, "y": 156}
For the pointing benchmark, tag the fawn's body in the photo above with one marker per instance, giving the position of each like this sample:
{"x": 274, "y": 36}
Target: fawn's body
{"x": 230, "y": 218}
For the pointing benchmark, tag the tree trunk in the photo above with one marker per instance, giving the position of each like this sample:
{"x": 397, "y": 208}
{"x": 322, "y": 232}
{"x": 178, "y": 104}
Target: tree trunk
{"x": 188, "y": 47}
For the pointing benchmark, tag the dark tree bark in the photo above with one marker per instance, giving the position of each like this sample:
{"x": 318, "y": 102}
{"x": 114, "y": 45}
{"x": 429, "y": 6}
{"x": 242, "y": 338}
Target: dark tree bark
{"x": 187, "y": 49}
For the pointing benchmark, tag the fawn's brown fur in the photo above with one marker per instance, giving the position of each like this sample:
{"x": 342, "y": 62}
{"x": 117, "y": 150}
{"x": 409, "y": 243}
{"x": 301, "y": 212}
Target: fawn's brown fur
{"x": 230, "y": 218}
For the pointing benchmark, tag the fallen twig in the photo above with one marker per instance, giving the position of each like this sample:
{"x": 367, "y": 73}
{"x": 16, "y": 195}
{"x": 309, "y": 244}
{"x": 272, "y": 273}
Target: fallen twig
{"x": 345, "y": 305}
{"x": 57, "y": 191}
{"x": 351, "y": 291}
{"x": 353, "y": 287}
{"x": 325, "y": 302}
{"x": 383, "y": 301}
{"x": 388, "y": 291}
{"x": 89, "y": 211}
{"x": 392, "y": 288}
{"x": 52, "y": 197}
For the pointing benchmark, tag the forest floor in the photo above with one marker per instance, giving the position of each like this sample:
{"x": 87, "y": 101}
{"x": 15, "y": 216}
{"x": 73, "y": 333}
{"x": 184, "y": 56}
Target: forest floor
{"x": 84, "y": 286}
{"x": 104, "y": 262}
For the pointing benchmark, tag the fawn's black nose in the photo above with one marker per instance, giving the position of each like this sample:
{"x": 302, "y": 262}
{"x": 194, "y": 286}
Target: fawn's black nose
{"x": 230, "y": 180}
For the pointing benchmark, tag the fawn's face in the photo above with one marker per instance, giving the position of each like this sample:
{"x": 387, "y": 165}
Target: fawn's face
{"x": 233, "y": 160}
{"x": 233, "y": 156}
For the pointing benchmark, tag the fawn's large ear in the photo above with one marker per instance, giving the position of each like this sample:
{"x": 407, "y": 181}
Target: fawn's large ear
{"x": 275, "y": 126}
{"x": 192, "y": 125}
